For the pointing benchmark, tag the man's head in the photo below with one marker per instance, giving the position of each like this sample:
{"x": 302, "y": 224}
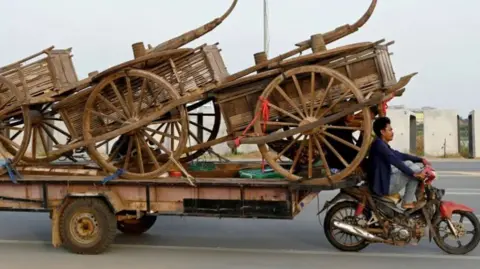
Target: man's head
{"x": 383, "y": 129}
{"x": 374, "y": 111}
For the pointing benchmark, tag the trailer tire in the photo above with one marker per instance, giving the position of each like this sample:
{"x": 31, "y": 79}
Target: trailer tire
{"x": 137, "y": 226}
{"x": 87, "y": 226}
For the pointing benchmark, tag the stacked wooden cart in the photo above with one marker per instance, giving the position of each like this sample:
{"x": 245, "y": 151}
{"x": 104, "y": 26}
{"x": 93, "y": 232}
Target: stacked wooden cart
{"x": 143, "y": 105}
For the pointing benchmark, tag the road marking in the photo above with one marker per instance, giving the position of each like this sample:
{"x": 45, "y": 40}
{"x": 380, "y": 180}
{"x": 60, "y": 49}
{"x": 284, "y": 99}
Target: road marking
{"x": 459, "y": 173}
{"x": 463, "y": 193}
{"x": 269, "y": 251}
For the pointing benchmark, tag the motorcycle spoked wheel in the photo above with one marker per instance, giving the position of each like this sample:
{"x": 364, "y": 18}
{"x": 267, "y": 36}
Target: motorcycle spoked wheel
{"x": 460, "y": 249}
{"x": 330, "y": 230}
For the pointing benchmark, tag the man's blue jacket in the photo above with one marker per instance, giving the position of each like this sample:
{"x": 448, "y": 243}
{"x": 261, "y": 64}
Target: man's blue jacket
{"x": 380, "y": 160}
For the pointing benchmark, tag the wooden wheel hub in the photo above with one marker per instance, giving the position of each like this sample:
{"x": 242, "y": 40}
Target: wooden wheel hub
{"x": 36, "y": 117}
{"x": 309, "y": 120}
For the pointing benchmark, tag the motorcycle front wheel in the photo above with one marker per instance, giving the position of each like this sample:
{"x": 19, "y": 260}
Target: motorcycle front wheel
{"x": 443, "y": 233}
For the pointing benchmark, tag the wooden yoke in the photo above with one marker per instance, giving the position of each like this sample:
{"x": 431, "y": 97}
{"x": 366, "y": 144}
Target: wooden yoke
{"x": 188, "y": 37}
{"x": 327, "y": 37}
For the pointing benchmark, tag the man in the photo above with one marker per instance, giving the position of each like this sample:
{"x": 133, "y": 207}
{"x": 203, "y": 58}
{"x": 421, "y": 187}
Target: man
{"x": 347, "y": 153}
{"x": 389, "y": 170}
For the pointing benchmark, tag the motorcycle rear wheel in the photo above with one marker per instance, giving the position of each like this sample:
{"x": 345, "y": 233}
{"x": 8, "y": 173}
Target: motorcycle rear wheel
{"x": 329, "y": 228}
{"x": 460, "y": 250}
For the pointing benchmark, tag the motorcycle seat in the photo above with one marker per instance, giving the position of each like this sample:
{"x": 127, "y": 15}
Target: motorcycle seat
{"x": 392, "y": 198}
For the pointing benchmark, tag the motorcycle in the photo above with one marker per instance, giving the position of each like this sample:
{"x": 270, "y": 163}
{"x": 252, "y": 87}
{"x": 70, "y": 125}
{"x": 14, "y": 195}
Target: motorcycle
{"x": 375, "y": 219}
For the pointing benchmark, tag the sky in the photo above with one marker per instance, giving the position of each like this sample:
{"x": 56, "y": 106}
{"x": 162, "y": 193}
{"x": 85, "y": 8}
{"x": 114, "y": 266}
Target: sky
{"x": 436, "y": 38}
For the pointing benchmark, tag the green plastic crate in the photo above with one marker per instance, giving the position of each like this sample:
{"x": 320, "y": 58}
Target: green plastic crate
{"x": 258, "y": 174}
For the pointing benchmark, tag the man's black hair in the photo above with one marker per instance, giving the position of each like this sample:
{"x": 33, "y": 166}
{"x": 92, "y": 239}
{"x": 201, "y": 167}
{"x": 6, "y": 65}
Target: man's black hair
{"x": 380, "y": 124}
{"x": 374, "y": 110}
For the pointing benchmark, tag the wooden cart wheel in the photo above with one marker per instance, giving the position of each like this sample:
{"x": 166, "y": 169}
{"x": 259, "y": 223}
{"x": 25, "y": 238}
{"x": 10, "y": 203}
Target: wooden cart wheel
{"x": 46, "y": 136}
{"x": 205, "y": 127}
{"x": 127, "y": 98}
{"x": 15, "y": 125}
{"x": 294, "y": 100}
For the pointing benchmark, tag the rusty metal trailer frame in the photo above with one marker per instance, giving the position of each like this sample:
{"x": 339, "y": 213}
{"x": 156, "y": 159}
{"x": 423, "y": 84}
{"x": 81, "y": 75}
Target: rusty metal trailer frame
{"x": 131, "y": 199}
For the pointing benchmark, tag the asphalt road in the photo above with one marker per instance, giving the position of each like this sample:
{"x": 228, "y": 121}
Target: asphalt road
{"x": 176, "y": 242}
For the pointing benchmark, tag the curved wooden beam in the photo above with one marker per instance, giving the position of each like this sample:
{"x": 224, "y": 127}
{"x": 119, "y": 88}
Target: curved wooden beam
{"x": 345, "y": 30}
{"x": 188, "y": 37}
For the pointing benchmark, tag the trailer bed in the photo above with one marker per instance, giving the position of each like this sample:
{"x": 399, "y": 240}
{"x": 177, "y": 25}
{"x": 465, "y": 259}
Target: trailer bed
{"x": 56, "y": 189}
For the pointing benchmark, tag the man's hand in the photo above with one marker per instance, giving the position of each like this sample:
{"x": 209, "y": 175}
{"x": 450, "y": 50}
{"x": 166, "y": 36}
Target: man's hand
{"x": 420, "y": 175}
{"x": 425, "y": 162}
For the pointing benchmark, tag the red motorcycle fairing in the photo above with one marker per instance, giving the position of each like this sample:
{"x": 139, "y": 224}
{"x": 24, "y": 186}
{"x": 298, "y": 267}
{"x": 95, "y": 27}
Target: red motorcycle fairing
{"x": 447, "y": 208}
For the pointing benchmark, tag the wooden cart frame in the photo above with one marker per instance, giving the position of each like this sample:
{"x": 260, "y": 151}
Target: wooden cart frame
{"x": 288, "y": 102}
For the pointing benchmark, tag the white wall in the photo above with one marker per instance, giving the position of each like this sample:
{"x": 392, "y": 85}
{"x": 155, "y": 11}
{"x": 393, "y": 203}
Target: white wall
{"x": 440, "y": 130}
{"x": 401, "y": 127}
{"x": 476, "y": 133}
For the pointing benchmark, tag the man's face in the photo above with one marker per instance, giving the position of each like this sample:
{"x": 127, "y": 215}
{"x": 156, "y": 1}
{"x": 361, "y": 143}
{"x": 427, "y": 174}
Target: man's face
{"x": 387, "y": 133}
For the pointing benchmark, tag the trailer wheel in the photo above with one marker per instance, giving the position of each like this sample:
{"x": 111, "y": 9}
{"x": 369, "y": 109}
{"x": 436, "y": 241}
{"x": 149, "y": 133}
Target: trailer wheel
{"x": 87, "y": 226}
{"x": 136, "y": 226}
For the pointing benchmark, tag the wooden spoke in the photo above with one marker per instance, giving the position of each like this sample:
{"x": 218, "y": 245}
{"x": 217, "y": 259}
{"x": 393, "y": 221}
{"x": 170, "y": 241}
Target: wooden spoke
{"x": 8, "y": 141}
{"x": 142, "y": 95}
{"x": 200, "y": 126}
{"x": 353, "y": 128}
{"x": 300, "y": 94}
{"x": 56, "y": 128}
{"x": 310, "y": 158}
{"x": 129, "y": 153}
{"x": 338, "y": 139}
{"x": 297, "y": 156}
{"x": 139, "y": 155}
{"x": 335, "y": 152}
{"x": 112, "y": 107}
{"x": 289, "y": 100}
{"x": 34, "y": 143}
{"x": 129, "y": 96}
{"x": 196, "y": 130}
{"x": 162, "y": 133}
{"x": 112, "y": 118}
{"x": 167, "y": 121}
{"x": 341, "y": 98}
{"x": 284, "y": 112}
{"x": 312, "y": 92}
{"x": 287, "y": 147}
{"x": 50, "y": 135}
{"x": 324, "y": 96}
{"x": 44, "y": 141}
{"x": 120, "y": 99}
{"x": 322, "y": 156}
{"x": 150, "y": 153}
{"x": 278, "y": 123}
{"x": 115, "y": 152}
{"x": 160, "y": 145}
{"x": 17, "y": 133}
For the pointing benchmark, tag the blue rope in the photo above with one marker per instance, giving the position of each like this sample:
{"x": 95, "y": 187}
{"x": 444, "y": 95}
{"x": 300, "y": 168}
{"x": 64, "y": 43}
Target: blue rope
{"x": 115, "y": 175}
{"x": 13, "y": 174}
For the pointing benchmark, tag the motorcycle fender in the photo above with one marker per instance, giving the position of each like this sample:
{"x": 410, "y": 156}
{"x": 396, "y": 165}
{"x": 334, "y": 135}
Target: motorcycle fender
{"x": 447, "y": 208}
{"x": 340, "y": 196}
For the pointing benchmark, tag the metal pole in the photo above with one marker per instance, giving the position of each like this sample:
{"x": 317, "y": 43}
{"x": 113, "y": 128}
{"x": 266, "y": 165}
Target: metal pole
{"x": 265, "y": 27}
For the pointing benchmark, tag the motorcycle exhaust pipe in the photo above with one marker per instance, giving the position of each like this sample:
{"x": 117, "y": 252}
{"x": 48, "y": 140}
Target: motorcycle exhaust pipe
{"x": 357, "y": 231}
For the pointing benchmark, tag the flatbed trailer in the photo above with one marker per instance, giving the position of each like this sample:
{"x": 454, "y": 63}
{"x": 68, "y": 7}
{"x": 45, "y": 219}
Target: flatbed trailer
{"x": 86, "y": 208}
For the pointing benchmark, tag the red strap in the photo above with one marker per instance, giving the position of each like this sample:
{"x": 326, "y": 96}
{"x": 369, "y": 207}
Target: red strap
{"x": 265, "y": 113}
{"x": 385, "y": 105}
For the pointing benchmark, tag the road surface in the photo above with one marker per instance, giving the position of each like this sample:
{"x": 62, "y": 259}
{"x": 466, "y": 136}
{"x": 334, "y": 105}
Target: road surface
{"x": 199, "y": 243}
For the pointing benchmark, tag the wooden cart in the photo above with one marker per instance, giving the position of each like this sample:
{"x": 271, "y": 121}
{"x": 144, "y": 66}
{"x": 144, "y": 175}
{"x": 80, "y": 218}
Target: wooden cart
{"x": 143, "y": 105}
